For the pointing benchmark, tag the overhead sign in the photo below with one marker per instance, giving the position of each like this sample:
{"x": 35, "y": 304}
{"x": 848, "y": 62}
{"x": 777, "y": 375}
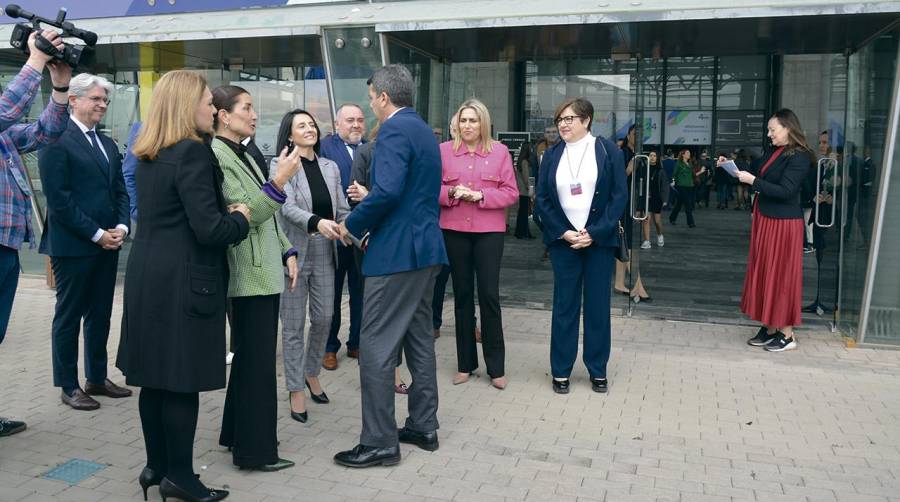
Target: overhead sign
{"x": 688, "y": 127}
{"x": 740, "y": 128}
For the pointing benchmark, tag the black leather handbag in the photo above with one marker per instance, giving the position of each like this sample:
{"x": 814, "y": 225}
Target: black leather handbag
{"x": 623, "y": 254}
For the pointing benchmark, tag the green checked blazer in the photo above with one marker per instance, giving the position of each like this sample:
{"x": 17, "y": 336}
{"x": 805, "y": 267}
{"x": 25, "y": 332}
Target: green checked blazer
{"x": 255, "y": 264}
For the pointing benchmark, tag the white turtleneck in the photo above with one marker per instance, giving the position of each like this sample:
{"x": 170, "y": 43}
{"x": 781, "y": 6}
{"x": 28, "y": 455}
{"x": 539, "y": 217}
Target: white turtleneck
{"x": 577, "y": 207}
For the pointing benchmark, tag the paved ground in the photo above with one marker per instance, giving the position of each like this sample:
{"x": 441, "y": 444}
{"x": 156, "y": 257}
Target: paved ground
{"x": 693, "y": 414}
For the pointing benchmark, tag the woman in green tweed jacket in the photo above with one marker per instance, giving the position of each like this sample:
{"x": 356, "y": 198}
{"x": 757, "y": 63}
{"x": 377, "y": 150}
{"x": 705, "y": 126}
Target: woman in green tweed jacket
{"x": 255, "y": 285}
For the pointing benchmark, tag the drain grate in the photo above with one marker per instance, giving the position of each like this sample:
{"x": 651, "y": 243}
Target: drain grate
{"x": 74, "y": 471}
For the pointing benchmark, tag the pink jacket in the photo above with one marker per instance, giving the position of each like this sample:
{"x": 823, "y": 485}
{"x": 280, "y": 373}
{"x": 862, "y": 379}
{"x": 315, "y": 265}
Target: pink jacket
{"x": 491, "y": 173}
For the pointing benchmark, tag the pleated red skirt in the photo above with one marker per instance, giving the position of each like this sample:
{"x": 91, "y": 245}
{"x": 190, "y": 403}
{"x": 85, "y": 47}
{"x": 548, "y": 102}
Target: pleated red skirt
{"x": 773, "y": 286}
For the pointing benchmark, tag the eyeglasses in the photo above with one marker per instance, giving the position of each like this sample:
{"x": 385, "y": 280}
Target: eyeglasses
{"x": 568, "y": 119}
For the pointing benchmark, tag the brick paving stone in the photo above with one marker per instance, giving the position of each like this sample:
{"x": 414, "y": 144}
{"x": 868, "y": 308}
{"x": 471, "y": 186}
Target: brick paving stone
{"x": 685, "y": 420}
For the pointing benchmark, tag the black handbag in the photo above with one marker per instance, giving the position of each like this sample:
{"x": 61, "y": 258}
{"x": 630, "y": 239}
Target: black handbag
{"x": 623, "y": 254}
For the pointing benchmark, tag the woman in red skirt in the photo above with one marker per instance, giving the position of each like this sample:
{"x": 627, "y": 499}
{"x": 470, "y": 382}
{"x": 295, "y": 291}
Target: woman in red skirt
{"x": 774, "y": 281}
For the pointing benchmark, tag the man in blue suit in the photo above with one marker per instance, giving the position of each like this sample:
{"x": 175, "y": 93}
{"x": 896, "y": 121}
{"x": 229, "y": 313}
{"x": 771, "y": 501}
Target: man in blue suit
{"x": 87, "y": 221}
{"x": 350, "y": 125}
{"x": 404, "y": 253}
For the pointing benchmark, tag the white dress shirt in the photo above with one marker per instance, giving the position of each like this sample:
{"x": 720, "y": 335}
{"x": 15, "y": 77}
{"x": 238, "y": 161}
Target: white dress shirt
{"x": 85, "y": 130}
{"x": 577, "y": 168}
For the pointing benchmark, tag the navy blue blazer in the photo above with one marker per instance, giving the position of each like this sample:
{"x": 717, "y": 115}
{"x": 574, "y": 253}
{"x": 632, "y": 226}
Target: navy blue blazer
{"x": 333, "y": 148}
{"x": 82, "y": 194}
{"x": 610, "y": 195}
{"x": 779, "y": 190}
{"x": 401, "y": 211}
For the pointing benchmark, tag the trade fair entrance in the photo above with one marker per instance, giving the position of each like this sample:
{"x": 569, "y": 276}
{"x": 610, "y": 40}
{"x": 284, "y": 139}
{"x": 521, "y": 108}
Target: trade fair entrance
{"x": 682, "y": 90}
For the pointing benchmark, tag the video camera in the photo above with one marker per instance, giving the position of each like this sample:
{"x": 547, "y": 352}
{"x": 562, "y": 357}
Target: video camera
{"x": 75, "y": 56}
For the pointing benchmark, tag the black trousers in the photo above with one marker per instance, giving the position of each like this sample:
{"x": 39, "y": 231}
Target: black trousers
{"x": 84, "y": 290}
{"x": 522, "y": 228}
{"x": 250, "y": 414}
{"x": 477, "y": 255}
{"x": 169, "y": 422}
{"x": 685, "y": 201}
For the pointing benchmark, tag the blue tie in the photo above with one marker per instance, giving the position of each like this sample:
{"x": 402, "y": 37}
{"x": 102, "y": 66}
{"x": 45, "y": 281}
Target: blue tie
{"x": 97, "y": 151}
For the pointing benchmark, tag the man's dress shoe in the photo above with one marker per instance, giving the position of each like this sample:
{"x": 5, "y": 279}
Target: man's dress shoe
{"x": 80, "y": 401}
{"x": 368, "y": 456}
{"x": 108, "y": 389}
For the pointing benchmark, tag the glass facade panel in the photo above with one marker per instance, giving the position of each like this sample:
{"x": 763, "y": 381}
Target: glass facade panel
{"x": 353, "y": 54}
{"x": 871, "y": 85}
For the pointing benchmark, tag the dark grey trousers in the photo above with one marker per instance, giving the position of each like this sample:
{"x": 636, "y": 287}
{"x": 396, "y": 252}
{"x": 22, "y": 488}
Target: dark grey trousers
{"x": 397, "y": 315}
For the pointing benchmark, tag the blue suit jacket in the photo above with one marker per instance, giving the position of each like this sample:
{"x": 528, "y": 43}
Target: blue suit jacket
{"x": 129, "y": 165}
{"x": 82, "y": 195}
{"x": 401, "y": 210}
{"x": 607, "y": 206}
{"x": 333, "y": 148}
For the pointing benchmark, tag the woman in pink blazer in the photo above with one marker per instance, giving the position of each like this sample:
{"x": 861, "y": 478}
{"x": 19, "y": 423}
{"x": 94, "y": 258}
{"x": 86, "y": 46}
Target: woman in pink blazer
{"x": 478, "y": 184}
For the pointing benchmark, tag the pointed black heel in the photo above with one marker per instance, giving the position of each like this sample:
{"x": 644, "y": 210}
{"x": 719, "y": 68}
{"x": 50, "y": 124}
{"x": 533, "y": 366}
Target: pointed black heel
{"x": 298, "y": 416}
{"x": 318, "y": 398}
{"x": 169, "y": 489}
{"x": 148, "y": 478}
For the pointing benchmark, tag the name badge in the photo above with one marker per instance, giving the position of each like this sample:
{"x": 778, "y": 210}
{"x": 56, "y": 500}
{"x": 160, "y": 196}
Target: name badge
{"x": 575, "y": 188}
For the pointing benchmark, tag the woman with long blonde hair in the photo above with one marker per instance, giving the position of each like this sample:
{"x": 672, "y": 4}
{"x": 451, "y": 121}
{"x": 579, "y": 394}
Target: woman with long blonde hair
{"x": 478, "y": 184}
{"x": 173, "y": 326}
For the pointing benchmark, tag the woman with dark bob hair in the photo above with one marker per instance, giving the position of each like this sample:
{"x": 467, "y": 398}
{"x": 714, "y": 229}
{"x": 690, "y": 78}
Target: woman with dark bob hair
{"x": 774, "y": 281}
{"x": 581, "y": 195}
{"x": 315, "y": 204}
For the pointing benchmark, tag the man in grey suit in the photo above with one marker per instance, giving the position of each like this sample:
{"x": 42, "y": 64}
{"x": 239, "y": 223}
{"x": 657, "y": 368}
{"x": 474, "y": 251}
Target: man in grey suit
{"x": 404, "y": 252}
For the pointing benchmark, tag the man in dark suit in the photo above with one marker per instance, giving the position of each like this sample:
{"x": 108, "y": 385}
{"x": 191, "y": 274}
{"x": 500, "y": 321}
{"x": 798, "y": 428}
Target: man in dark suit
{"x": 350, "y": 125}
{"x": 87, "y": 221}
{"x": 404, "y": 252}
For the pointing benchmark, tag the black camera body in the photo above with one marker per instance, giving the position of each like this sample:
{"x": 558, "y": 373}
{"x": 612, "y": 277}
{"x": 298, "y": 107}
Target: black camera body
{"x": 76, "y": 56}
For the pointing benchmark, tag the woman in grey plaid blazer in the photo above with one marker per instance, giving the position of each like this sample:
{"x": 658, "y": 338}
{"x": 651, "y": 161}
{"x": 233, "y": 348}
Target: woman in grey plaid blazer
{"x": 315, "y": 205}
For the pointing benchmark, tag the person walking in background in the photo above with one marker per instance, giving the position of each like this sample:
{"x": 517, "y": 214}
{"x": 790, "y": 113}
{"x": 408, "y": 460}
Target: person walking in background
{"x": 523, "y": 175}
{"x": 658, "y": 183}
{"x": 683, "y": 180}
{"x": 87, "y": 222}
{"x": 742, "y": 197}
{"x": 581, "y": 195}
{"x": 129, "y": 164}
{"x": 397, "y": 223}
{"x": 173, "y": 345}
{"x": 257, "y": 268}
{"x": 315, "y": 203}
{"x": 341, "y": 148}
{"x": 723, "y": 182}
{"x": 773, "y": 285}
{"x": 703, "y": 179}
{"x": 478, "y": 184}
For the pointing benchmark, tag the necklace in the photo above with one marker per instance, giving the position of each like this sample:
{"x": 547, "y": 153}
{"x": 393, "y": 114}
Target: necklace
{"x": 575, "y": 185}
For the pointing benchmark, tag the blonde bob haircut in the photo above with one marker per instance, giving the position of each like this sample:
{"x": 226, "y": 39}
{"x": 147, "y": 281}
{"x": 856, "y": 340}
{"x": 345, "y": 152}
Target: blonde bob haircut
{"x": 484, "y": 118}
{"x": 170, "y": 117}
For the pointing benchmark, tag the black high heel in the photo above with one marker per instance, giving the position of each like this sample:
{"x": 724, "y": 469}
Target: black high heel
{"x": 318, "y": 398}
{"x": 169, "y": 489}
{"x": 149, "y": 478}
{"x": 300, "y": 417}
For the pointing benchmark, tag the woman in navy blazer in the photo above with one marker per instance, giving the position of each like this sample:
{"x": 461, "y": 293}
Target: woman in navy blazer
{"x": 581, "y": 194}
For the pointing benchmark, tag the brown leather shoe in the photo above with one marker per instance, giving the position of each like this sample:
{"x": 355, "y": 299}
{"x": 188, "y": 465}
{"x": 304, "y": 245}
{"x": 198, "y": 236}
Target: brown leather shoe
{"x": 437, "y": 333}
{"x": 329, "y": 362}
{"x": 477, "y": 335}
{"x": 353, "y": 353}
{"x": 80, "y": 401}
{"x": 108, "y": 389}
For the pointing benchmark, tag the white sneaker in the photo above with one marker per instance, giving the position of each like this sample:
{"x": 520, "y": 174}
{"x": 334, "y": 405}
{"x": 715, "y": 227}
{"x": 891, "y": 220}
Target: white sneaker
{"x": 660, "y": 241}
{"x": 645, "y": 245}
{"x": 228, "y": 358}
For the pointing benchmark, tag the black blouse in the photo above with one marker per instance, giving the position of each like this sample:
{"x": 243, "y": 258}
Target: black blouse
{"x": 321, "y": 197}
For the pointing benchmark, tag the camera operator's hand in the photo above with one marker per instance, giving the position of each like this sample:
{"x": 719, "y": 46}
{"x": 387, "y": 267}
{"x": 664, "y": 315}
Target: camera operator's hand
{"x": 37, "y": 59}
